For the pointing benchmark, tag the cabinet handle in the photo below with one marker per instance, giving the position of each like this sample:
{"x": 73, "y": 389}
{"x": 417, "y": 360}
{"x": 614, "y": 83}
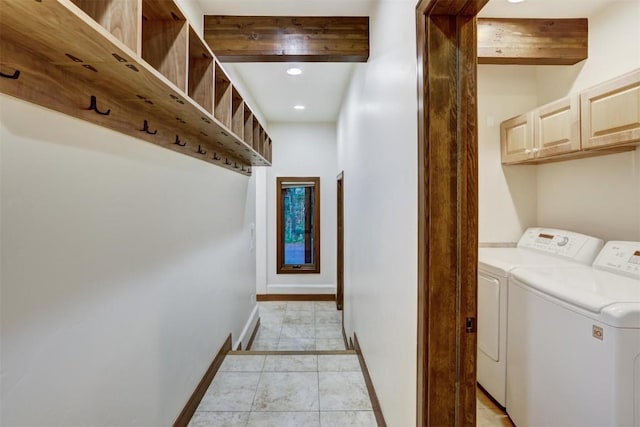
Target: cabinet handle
{"x": 535, "y": 150}
{"x": 527, "y": 151}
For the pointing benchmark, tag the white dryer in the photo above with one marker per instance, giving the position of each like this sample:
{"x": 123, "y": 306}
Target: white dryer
{"x": 538, "y": 247}
{"x": 573, "y": 356}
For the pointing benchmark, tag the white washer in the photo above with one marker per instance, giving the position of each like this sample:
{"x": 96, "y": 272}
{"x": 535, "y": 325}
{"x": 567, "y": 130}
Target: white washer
{"x": 537, "y": 247}
{"x": 573, "y": 354}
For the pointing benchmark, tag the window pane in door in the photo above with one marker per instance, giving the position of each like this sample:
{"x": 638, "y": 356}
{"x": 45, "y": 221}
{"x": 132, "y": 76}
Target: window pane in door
{"x": 298, "y": 206}
{"x": 298, "y": 225}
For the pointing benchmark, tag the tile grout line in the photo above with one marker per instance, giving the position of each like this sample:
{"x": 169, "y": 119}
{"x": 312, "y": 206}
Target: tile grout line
{"x": 255, "y": 393}
{"x": 318, "y": 376}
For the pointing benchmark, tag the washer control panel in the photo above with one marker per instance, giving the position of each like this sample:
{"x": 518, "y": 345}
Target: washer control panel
{"x": 562, "y": 243}
{"x": 620, "y": 257}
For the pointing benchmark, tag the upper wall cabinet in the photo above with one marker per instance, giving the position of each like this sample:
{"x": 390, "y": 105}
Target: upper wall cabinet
{"x": 516, "y": 135}
{"x": 557, "y": 128}
{"x": 602, "y": 120}
{"x": 611, "y": 113}
{"x": 133, "y": 66}
{"x": 548, "y": 131}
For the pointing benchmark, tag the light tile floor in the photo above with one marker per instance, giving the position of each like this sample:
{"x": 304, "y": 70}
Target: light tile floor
{"x": 299, "y": 326}
{"x": 287, "y": 390}
{"x": 300, "y": 390}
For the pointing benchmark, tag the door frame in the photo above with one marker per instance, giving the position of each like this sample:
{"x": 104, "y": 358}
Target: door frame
{"x": 340, "y": 242}
{"x": 447, "y": 211}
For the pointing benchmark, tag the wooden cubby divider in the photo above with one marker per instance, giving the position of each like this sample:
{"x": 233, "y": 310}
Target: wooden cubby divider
{"x": 122, "y": 18}
{"x": 133, "y": 66}
{"x": 223, "y": 90}
{"x": 248, "y": 125}
{"x": 201, "y": 66}
{"x": 263, "y": 137}
{"x": 165, "y": 40}
{"x": 237, "y": 113}
{"x": 256, "y": 134}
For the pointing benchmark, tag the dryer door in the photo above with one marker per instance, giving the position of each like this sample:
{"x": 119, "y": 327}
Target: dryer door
{"x": 489, "y": 315}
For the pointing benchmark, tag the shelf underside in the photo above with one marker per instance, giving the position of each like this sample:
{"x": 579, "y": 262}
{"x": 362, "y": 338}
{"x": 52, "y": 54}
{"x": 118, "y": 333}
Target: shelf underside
{"x": 64, "y": 58}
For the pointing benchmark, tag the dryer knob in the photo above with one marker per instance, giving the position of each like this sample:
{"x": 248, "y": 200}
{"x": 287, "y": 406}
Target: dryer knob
{"x": 563, "y": 241}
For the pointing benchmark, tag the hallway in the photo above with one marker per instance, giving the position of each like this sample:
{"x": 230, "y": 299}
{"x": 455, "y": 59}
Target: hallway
{"x": 298, "y": 373}
{"x": 299, "y": 326}
{"x": 287, "y": 390}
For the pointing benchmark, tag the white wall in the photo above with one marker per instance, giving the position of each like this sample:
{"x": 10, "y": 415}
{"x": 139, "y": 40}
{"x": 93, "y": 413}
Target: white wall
{"x": 301, "y": 149}
{"x": 377, "y": 149}
{"x": 193, "y": 12}
{"x": 601, "y": 195}
{"x": 124, "y": 267}
{"x": 507, "y": 194}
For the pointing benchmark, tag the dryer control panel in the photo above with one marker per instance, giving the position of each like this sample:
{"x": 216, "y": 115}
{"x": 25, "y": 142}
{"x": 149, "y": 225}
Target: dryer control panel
{"x": 621, "y": 258}
{"x": 562, "y": 243}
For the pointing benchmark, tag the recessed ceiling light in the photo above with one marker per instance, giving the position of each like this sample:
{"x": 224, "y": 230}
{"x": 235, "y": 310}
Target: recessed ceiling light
{"x": 294, "y": 71}
{"x": 298, "y": 107}
{"x": 515, "y": 1}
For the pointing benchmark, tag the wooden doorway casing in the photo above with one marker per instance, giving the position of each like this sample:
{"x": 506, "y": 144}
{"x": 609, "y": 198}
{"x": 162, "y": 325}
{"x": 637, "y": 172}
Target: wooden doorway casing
{"x": 340, "y": 240}
{"x": 447, "y": 211}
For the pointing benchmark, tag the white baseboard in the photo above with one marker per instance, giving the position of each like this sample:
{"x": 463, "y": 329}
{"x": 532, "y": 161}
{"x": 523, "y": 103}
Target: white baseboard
{"x": 301, "y": 289}
{"x": 249, "y": 327}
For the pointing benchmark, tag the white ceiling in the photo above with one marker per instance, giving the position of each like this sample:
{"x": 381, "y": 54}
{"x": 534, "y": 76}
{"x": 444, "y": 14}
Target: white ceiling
{"x": 544, "y": 8}
{"x": 322, "y": 86}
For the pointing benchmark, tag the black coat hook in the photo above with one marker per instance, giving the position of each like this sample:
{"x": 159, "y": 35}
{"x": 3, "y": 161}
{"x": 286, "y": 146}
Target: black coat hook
{"x": 242, "y": 168}
{"x": 235, "y": 165}
{"x": 177, "y": 142}
{"x": 94, "y": 107}
{"x": 215, "y": 156}
{"x": 200, "y": 150}
{"x": 13, "y": 76}
{"x": 145, "y": 128}
{"x": 226, "y": 161}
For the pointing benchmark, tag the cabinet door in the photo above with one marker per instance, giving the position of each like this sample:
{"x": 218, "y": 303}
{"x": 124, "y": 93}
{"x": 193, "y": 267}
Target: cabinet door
{"x": 611, "y": 112}
{"x": 557, "y": 128}
{"x": 516, "y": 139}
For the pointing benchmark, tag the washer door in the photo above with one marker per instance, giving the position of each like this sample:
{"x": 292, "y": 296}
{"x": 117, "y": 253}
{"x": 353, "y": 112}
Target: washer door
{"x": 489, "y": 316}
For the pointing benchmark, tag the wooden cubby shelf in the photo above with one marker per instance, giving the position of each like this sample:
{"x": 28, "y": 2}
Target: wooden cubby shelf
{"x": 134, "y": 66}
{"x": 120, "y": 18}
{"x": 256, "y": 134}
{"x": 237, "y": 113}
{"x": 248, "y": 126}
{"x": 201, "y": 65}
{"x": 165, "y": 40}
{"x": 224, "y": 90}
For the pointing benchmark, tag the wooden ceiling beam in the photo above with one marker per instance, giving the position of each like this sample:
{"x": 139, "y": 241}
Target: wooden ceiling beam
{"x": 532, "y": 41}
{"x": 287, "y": 38}
{"x": 346, "y": 39}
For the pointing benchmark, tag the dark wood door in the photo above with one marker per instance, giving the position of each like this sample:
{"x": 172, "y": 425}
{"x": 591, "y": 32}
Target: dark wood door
{"x": 340, "y": 251}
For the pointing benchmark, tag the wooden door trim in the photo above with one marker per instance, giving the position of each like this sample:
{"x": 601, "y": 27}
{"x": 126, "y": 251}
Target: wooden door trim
{"x": 447, "y": 211}
{"x": 340, "y": 242}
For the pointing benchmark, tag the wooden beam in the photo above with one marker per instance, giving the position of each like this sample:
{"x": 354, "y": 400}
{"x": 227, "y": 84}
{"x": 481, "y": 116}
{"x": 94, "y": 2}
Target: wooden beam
{"x": 288, "y": 38}
{"x": 346, "y": 39}
{"x": 455, "y": 7}
{"x": 532, "y": 41}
